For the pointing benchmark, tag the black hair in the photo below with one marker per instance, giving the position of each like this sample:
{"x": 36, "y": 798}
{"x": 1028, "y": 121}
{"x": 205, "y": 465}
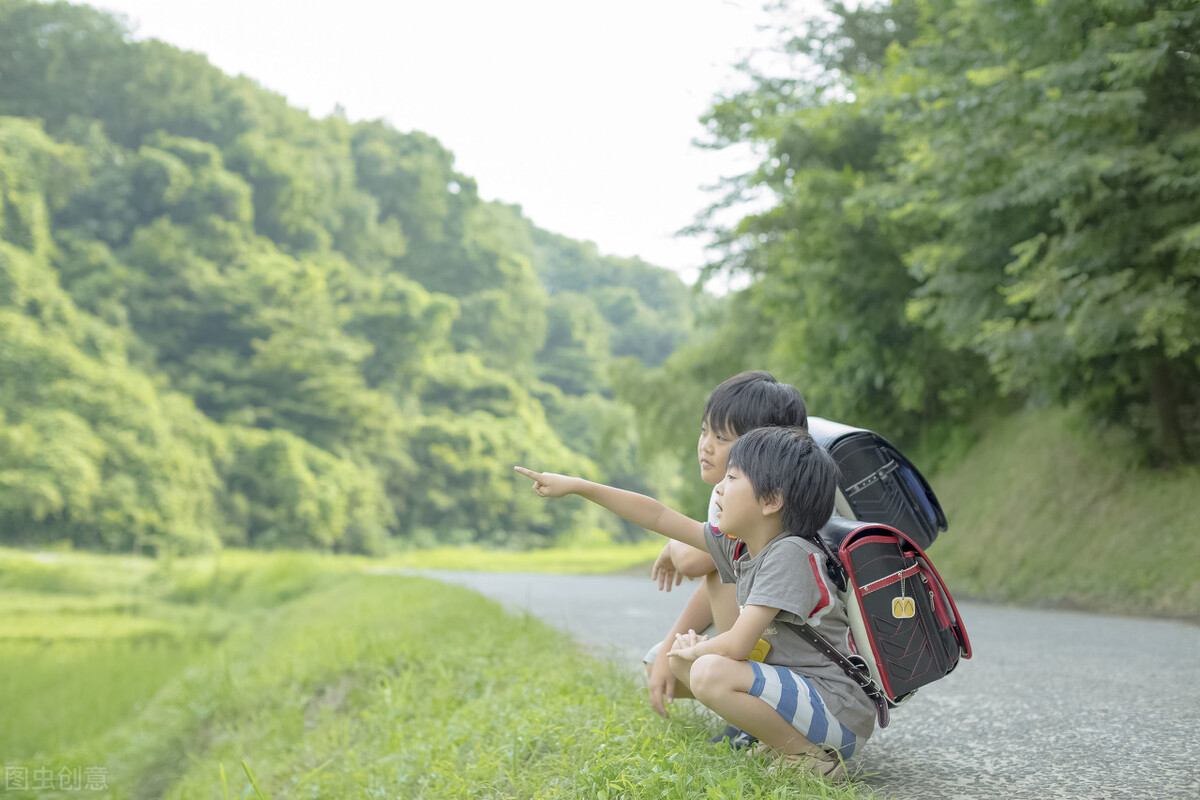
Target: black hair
{"x": 790, "y": 462}
{"x": 752, "y": 400}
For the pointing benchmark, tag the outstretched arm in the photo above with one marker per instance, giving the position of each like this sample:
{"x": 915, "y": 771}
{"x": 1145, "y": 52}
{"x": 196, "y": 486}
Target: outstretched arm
{"x": 636, "y": 508}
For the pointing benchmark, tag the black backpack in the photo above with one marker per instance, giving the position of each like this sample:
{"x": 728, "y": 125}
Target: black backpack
{"x": 906, "y": 630}
{"x": 877, "y": 483}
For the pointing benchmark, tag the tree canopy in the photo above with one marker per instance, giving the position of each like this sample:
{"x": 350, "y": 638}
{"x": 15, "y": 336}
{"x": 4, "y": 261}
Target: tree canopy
{"x": 227, "y": 321}
{"x": 968, "y": 204}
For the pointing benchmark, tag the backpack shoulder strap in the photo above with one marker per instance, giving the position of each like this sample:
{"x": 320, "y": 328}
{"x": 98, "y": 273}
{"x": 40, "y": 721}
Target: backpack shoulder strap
{"x": 860, "y": 677}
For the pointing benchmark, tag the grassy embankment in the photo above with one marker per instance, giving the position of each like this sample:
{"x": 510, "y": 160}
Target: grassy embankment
{"x": 162, "y": 678}
{"x": 1044, "y": 512}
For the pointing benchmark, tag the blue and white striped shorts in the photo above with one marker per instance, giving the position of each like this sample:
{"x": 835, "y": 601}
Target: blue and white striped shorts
{"x": 798, "y": 702}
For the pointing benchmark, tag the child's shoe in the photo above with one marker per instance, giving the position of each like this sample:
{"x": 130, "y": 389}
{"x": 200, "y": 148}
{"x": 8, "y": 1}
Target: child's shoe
{"x": 737, "y": 737}
{"x": 825, "y": 764}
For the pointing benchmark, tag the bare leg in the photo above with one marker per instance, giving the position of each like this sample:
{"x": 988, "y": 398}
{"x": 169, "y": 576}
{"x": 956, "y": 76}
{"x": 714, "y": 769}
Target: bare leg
{"x": 681, "y": 690}
{"x": 723, "y": 685}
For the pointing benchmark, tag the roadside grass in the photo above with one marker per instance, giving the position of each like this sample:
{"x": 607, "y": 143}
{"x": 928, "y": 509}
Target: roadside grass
{"x": 320, "y": 681}
{"x": 1044, "y": 511}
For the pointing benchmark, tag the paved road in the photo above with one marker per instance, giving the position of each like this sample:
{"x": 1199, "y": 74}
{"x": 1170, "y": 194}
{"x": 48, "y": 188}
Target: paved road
{"x": 1053, "y": 705}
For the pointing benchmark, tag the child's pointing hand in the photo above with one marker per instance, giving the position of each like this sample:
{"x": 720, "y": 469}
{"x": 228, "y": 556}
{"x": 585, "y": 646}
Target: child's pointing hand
{"x": 549, "y": 484}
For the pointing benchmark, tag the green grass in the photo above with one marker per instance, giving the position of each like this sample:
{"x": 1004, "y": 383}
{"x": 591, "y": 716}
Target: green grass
{"x": 312, "y": 679}
{"x": 1043, "y": 511}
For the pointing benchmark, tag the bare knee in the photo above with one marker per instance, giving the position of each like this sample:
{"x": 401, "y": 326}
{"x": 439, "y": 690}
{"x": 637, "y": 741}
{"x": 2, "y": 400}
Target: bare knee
{"x": 710, "y": 676}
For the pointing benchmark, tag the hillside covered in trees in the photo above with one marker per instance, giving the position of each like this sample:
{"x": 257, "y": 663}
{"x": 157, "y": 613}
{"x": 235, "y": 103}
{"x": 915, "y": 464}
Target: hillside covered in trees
{"x": 222, "y": 320}
{"x": 225, "y": 321}
{"x": 969, "y": 208}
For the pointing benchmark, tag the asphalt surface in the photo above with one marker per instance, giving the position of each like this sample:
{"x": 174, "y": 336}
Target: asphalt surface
{"x": 1052, "y": 705}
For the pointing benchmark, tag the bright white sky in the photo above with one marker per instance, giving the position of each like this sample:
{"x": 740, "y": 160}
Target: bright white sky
{"x": 581, "y": 113}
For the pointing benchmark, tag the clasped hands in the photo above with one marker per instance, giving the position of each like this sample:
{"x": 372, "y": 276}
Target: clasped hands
{"x": 685, "y": 645}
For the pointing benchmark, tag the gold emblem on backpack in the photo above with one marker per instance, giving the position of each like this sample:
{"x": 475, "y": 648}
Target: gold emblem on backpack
{"x": 903, "y": 606}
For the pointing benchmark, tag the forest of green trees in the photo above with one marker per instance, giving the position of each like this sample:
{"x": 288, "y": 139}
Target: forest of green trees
{"x": 973, "y": 207}
{"x": 225, "y": 321}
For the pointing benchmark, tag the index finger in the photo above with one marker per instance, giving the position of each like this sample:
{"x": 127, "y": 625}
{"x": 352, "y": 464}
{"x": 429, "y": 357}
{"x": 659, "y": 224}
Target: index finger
{"x": 528, "y": 473}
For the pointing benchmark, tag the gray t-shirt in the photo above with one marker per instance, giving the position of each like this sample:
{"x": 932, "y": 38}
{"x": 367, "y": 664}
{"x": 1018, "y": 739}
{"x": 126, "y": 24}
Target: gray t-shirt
{"x": 789, "y": 574}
